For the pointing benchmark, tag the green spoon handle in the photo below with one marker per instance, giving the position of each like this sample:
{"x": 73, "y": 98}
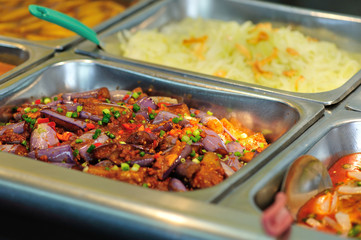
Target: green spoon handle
{"x": 65, "y": 21}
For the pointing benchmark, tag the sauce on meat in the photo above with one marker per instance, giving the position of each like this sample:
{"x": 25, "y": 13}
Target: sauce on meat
{"x": 150, "y": 141}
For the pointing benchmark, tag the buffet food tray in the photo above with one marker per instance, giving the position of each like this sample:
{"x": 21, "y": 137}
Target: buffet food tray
{"x": 93, "y": 200}
{"x": 65, "y": 43}
{"x": 22, "y": 55}
{"x": 342, "y": 30}
{"x": 332, "y": 137}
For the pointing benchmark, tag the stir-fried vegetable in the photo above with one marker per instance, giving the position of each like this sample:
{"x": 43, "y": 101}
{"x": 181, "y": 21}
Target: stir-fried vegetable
{"x": 337, "y": 210}
{"x": 151, "y": 141}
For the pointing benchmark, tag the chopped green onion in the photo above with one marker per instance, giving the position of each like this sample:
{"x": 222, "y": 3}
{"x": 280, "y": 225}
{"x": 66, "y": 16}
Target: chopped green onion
{"x": 151, "y": 116}
{"x": 91, "y": 148}
{"x": 27, "y": 109}
{"x": 185, "y": 138}
{"x": 68, "y": 114}
{"x": 59, "y": 110}
{"x": 124, "y": 112}
{"x": 196, "y": 133}
{"x": 176, "y": 120}
{"x": 100, "y": 122}
{"x": 107, "y": 100}
{"x": 145, "y": 185}
{"x": 142, "y": 154}
{"x": 47, "y": 100}
{"x": 78, "y": 140}
{"x": 209, "y": 113}
{"x": 74, "y": 114}
{"x": 116, "y": 114}
{"x": 161, "y": 133}
{"x": 97, "y": 133}
{"x": 79, "y": 108}
{"x": 237, "y": 154}
{"x": 135, "y": 95}
{"x": 136, "y": 107}
{"x": 75, "y": 152}
{"x": 105, "y": 120}
{"x": 188, "y": 132}
{"x": 193, "y": 153}
{"x": 193, "y": 115}
{"x": 106, "y": 111}
{"x": 124, "y": 166}
{"x": 135, "y": 167}
{"x": 195, "y": 160}
{"x": 23, "y": 143}
{"x": 55, "y": 98}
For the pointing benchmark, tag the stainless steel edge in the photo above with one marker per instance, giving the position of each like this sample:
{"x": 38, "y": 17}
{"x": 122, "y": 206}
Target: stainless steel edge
{"x": 35, "y": 54}
{"x": 308, "y": 113}
{"x": 313, "y": 23}
{"x": 250, "y": 196}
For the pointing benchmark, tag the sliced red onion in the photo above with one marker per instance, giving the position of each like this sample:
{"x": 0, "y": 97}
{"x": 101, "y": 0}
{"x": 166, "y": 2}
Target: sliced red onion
{"x": 16, "y": 127}
{"x": 230, "y": 134}
{"x": 72, "y": 107}
{"x": 59, "y": 154}
{"x": 184, "y": 153}
{"x": 227, "y": 169}
{"x": 42, "y": 137}
{"x": 54, "y": 103}
{"x": 213, "y": 143}
{"x": 277, "y": 219}
{"x": 105, "y": 163}
{"x": 87, "y": 115}
{"x": 164, "y": 116}
{"x": 176, "y": 185}
{"x": 145, "y": 162}
{"x": 142, "y": 138}
{"x": 103, "y": 92}
{"x": 146, "y": 102}
{"x": 83, "y": 150}
{"x": 203, "y": 115}
{"x": 165, "y": 127}
{"x": 66, "y": 122}
{"x": 118, "y": 95}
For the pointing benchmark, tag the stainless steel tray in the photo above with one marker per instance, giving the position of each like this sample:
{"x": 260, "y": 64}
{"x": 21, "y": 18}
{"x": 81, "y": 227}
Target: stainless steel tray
{"x": 111, "y": 206}
{"x": 335, "y": 135}
{"x": 340, "y": 29}
{"x": 21, "y": 55}
{"x": 62, "y": 44}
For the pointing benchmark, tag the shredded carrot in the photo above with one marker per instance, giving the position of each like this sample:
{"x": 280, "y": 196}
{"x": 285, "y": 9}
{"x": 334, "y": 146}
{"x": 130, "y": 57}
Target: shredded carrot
{"x": 290, "y": 73}
{"x": 220, "y": 73}
{"x": 244, "y": 51}
{"x": 298, "y": 80}
{"x": 65, "y": 136}
{"x": 262, "y": 36}
{"x": 268, "y": 59}
{"x": 292, "y": 52}
{"x": 195, "y": 40}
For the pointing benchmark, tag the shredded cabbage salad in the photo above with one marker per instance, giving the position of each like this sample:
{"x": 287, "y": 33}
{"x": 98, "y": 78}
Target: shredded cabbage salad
{"x": 280, "y": 58}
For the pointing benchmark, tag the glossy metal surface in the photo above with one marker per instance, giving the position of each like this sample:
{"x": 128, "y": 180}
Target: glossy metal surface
{"x": 119, "y": 209}
{"x": 337, "y": 134}
{"x": 306, "y": 177}
{"x": 21, "y": 55}
{"x": 280, "y": 120}
{"x": 65, "y": 43}
{"x": 345, "y": 31}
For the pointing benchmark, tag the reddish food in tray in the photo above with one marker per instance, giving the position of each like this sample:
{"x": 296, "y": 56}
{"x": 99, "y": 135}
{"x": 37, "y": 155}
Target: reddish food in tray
{"x": 337, "y": 210}
{"x": 5, "y": 67}
{"x": 151, "y": 141}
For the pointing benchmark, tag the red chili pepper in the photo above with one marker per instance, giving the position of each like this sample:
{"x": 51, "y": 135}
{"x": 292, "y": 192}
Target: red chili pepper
{"x": 129, "y": 126}
{"x": 43, "y": 120}
{"x": 75, "y": 100}
{"x": 65, "y": 136}
{"x": 148, "y": 130}
{"x": 157, "y": 155}
{"x": 97, "y": 144}
{"x": 126, "y": 97}
{"x": 52, "y": 125}
{"x": 150, "y": 110}
{"x": 120, "y": 132}
{"x": 37, "y": 101}
{"x": 90, "y": 126}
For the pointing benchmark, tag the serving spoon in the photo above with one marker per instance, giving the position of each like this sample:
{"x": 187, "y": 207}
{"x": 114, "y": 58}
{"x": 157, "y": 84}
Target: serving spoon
{"x": 65, "y": 21}
{"x": 305, "y": 177}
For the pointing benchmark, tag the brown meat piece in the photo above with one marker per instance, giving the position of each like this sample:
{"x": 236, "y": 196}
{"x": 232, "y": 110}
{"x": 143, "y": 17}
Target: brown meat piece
{"x": 211, "y": 172}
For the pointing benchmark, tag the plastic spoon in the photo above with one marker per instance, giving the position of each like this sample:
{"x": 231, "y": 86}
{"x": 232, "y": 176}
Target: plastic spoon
{"x": 306, "y": 177}
{"x": 65, "y": 21}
